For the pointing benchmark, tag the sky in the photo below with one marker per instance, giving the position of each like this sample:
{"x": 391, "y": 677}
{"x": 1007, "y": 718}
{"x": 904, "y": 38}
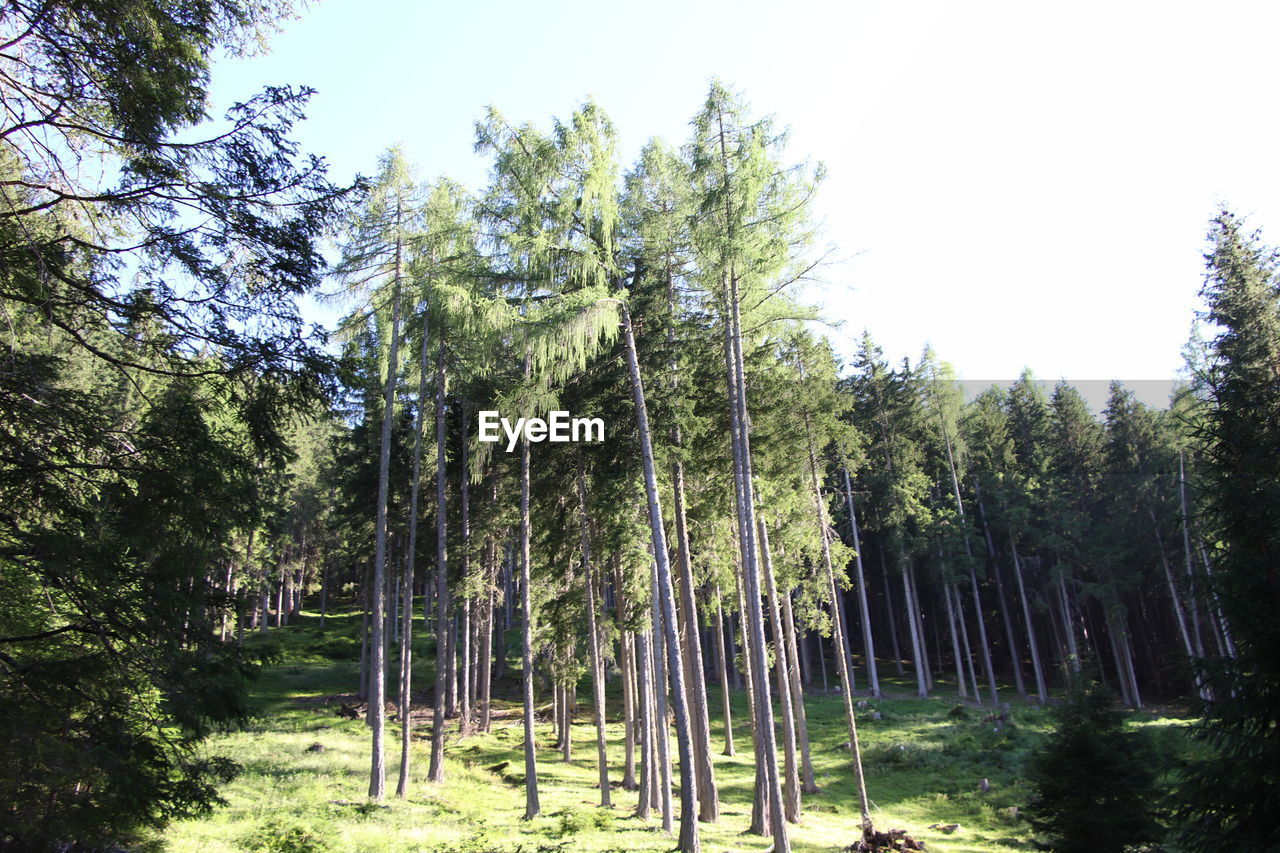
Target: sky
{"x": 1016, "y": 184}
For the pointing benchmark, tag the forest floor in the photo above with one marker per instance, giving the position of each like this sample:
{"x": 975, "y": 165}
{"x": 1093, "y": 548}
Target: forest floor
{"x": 925, "y": 762}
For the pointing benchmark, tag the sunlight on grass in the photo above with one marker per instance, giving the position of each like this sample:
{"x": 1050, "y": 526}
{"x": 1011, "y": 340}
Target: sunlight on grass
{"x": 305, "y": 777}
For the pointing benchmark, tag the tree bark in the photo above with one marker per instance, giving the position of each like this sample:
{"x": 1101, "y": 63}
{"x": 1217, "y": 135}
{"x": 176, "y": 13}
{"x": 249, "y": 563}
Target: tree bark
{"x": 377, "y": 692}
{"x": 868, "y": 643}
{"x": 665, "y": 596}
{"x": 791, "y": 784}
{"x": 444, "y": 663}
{"x": 724, "y": 678}
{"x": 531, "y": 806}
{"x": 1041, "y": 690}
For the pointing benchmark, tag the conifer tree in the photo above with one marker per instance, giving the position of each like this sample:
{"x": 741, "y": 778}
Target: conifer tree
{"x": 1229, "y": 799}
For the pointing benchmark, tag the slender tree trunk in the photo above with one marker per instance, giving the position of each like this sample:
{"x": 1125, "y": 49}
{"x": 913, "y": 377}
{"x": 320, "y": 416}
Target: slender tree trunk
{"x": 593, "y": 639}
{"x": 1015, "y": 654}
{"x": 791, "y": 784}
{"x": 839, "y": 637}
{"x": 532, "y": 807}
{"x": 406, "y": 673}
{"x": 662, "y": 675}
{"x": 648, "y": 743}
{"x": 444, "y": 664}
{"x": 760, "y": 797}
{"x": 889, "y": 612}
{"x": 868, "y": 643}
{"x": 1041, "y": 691}
{"x": 665, "y": 596}
{"x": 955, "y": 643}
{"x": 808, "y": 785}
{"x": 484, "y": 677}
{"x": 917, "y": 642}
{"x": 1073, "y": 650}
{"x": 467, "y": 691}
{"x": 964, "y": 639}
{"x": 724, "y": 678}
{"x": 626, "y": 644}
{"x": 362, "y": 692}
{"x": 708, "y": 796}
{"x": 377, "y": 692}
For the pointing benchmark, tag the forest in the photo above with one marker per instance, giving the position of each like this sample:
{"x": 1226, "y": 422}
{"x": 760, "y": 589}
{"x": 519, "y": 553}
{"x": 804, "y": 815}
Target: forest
{"x": 253, "y": 571}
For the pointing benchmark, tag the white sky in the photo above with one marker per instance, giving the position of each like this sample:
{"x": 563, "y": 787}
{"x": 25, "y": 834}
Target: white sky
{"x": 1020, "y": 184}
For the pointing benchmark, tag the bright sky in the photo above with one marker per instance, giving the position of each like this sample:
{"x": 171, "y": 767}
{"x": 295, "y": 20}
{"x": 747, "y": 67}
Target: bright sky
{"x": 1019, "y": 184}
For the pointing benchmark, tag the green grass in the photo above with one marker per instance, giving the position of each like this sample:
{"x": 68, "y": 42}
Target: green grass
{"x": 923, "y": 767}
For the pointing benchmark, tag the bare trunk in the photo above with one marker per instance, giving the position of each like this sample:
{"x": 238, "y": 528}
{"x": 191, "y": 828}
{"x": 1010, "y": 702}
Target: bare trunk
{"x": 724, "y": 678}
{"x": 868, "y": 643}
{"x": 377, "y": 691}
{"x": 808, "y": 785}
{"x": 955, "y": 644}
{"x": 1041, "y": 691}
{"x": 532, "y": 808}
{"x": 917, "y": 644}
{"x": 791, "y": 783}
{"x": 593, "y": 639}
{"x": 444, "y": 664}
{"x": 665, "y": 599}
{"x": 467, "y": 688}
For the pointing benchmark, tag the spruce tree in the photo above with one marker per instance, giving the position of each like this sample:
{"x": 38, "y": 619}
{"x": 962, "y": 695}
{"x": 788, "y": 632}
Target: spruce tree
{"x": 1231, "y": 798}
{"x": 1094, "y": 782}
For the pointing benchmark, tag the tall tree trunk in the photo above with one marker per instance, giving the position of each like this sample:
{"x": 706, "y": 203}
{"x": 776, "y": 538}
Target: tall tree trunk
{"x": 724, "y": 677}
{"x": 662, "y": 674}
{"x": 1015, "y": 655}
{"x": 626, "y": 644}
{"x": 708, "y": 796}
{"x": 665, "y": 595}
{"x": 1041, "y": 691}
{"x": 917, "y": 639}
{"x": 808, "y": 785}
{"x": 648, "y": 743}
{"x": 889, "y": 611}
{"x": 406, "y": 674}
{"x": 532, "y": 808}
{"x": 444, "y": 663}
{"x": 378, "y": 689}
{"x": 760, "y": 797}
{"x": 964, "y": 639}
{"x": 840, "y": 643}
{"x": 1073, "y": 650}
{"x": 411, "y": 551}
{"x": 791, "y": 785}
{"x": 868, "y": 644}
{"x": 593, "y": 638}
{"x": 955, "y": 643}
{"x": 467, "y": 692}
{"x": 695, "y": 676}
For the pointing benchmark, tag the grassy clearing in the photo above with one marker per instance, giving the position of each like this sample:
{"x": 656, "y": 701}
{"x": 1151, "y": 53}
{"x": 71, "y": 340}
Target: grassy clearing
{"x": 924, "y": 765}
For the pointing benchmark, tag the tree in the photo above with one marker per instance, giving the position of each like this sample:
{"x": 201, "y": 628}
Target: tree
{"x": 1094, "y": 782}
{"x": 376, "y": 259}
{"x": 1231, "y": 799}
{"x": 160, "y": 357}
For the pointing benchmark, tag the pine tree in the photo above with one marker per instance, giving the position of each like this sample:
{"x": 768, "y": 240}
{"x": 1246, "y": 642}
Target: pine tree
{"x": 1231, "y": 799}
{"x": 1094, "y": 782}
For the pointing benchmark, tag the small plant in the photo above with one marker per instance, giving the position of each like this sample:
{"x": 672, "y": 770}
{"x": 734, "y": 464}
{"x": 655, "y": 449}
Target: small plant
{"x": 283, "y": 835}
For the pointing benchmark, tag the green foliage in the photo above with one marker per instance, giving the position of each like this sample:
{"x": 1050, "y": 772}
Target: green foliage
{"x": 287, "y": 835}
{"x": 155, "y": 357}
{"x": 1230, "y": 798}
{"x": 1094, "y": 781}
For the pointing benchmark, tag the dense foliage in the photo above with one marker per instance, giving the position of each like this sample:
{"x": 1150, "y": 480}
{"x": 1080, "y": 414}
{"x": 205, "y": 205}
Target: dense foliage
{"x": 152, "y": 359}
